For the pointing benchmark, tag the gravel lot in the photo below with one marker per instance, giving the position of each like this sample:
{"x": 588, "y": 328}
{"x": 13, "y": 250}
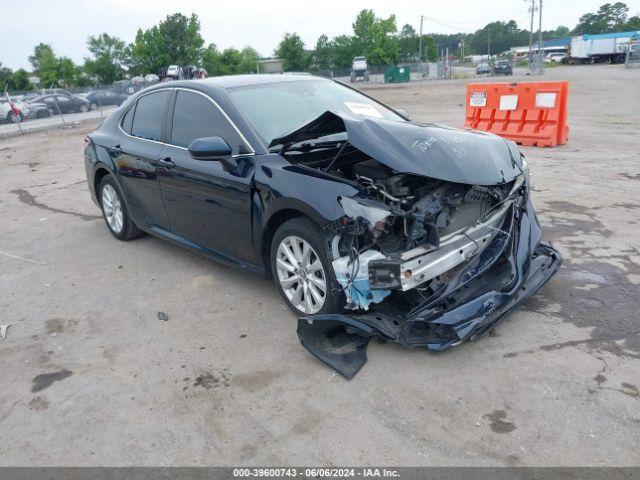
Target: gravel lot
{"x": 90, "y": 375}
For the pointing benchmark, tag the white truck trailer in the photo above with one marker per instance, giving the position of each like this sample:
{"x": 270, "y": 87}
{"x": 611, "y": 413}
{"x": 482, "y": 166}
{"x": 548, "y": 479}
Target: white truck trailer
{"x": 605, "y": 47}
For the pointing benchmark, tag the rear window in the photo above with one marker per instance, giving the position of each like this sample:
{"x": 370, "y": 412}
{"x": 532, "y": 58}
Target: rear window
{"x": 147, "y": 120}
{"x": 127, "y": 120}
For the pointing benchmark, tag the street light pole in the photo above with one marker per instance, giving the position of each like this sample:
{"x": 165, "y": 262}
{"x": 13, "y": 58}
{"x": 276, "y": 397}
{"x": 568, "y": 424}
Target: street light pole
{"x": 540, "y": 30}
{"x": 532, "y": 9}
{"x": 420, "y": 54}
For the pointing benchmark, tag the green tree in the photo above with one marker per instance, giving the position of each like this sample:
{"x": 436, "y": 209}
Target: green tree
{"x": 174, "y": 41}
{"x": 408, "y": 44}
{"x": 249, "y": 62}
{"x": 610, "y": 17}
{"x": 67, "y": 73}
{"x": 19, "y": 80}
{"x": 322, "y": 54}
{"x": 375, "y": 37}
{"x": 633, "y": 23}
{"x": 5, "y": 76}
{"x": 343, "y": 50}
{"x": 45, "y": 64}
{"x": 292, "y": 51}
{"x": 109, "y": 55}
{"x": 212, "y": 60}
{"x": 502, "y": 36}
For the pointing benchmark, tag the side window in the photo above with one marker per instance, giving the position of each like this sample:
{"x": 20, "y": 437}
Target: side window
{"x": 147, "y": 121}
{"x": 62, "y": 99}
{"x": 127, "y": 120}
{"x": 195, "y": 116}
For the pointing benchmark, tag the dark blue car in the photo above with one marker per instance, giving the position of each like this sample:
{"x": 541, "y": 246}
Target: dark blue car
{"x": 370, "y": 224}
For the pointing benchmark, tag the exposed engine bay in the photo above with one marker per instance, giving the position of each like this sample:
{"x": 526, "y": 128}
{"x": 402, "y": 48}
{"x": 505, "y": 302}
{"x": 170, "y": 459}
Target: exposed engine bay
{"x": 405, "y": 230}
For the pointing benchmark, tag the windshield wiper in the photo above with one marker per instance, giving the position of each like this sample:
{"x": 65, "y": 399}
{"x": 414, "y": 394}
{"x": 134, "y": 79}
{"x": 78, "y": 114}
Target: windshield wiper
{"x": 307, "y": 146}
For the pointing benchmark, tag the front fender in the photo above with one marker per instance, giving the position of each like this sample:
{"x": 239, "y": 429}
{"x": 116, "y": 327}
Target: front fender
{"x": 283, "y": 187}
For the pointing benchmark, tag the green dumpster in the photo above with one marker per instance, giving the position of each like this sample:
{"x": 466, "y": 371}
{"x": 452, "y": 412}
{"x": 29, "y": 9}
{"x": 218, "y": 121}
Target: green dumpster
{"x": 396, "y": 75}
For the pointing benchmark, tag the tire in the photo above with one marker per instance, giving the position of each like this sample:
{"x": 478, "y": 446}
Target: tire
{"x": 300, "y": 289}
{"x": 42, "y": 114}
{"x": 13, "y": 118}
{"x": 111, "y": 203}
{"x": 84, "y": 108}
{"x": 94, "y": 106}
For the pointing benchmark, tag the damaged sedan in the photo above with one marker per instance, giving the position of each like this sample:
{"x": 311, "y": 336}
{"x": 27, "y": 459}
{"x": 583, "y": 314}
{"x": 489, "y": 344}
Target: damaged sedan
{"x": 371, "y": 225}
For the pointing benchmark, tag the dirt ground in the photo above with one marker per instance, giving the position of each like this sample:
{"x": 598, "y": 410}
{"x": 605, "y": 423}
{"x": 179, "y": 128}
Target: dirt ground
{"x": 90, "y": 375}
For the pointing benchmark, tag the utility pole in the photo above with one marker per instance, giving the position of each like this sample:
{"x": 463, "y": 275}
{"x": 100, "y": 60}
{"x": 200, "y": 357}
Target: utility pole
{"x": 489, "y": 47}
{"x": 420, "y": 54}
{"x": 531, "y": 9}
{"x": 540, "y": 30}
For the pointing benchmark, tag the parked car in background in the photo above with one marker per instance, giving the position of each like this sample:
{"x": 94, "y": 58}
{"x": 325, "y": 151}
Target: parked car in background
{"x": 7, "y": 113}
{"x": 151, "y": 78}
{"x": 25, "y": 111}
{"x": 101, "y": 98}
{"x": 61, "y": 103}
{"x": 502, "y": 67}
{"x": 174, "y": 71}
{"x": 38, "y": 110}
{"x": 556, "y": 58}
{"x": 359, "y": 69}
{"x": 483, "y": 69}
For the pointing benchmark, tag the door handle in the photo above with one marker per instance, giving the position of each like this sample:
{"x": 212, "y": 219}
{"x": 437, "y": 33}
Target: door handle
{"x": 115, "y": 151}
{"x": 166, "y": 163}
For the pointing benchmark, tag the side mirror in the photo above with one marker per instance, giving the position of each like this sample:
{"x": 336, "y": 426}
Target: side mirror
{"x": 402, "y": 112}
{"x": 209, "y": 148}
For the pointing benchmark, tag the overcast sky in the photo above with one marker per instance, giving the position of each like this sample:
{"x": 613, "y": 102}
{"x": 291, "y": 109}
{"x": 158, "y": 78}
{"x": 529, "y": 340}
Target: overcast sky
{"x": 66, "y": 24}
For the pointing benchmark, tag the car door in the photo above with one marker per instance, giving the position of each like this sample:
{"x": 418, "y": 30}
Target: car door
{"x": 208, "y": 202}
{"x": 135, "y": 153}
{"x": 50, "y": 101}
{"x": 66, "y": 104}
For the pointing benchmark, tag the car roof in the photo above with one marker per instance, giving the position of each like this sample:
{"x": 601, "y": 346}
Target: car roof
{"x": 232, "y": 81}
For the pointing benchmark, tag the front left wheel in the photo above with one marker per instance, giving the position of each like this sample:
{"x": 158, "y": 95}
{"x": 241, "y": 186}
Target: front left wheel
{"x": 114, "y": 210}
{"x": 302, "y": 269}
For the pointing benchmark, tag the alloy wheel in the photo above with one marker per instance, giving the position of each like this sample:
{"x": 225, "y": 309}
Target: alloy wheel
{"x": 112, "y": 208}
{"x": 301, "y": 275}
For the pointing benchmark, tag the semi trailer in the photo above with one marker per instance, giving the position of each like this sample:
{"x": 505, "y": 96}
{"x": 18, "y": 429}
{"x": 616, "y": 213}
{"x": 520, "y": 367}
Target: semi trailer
{"x": 605, "y": 47}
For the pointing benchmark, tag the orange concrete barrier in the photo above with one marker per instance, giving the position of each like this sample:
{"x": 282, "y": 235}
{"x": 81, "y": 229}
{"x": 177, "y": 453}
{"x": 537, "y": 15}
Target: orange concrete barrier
{"x": 529, "y": 113}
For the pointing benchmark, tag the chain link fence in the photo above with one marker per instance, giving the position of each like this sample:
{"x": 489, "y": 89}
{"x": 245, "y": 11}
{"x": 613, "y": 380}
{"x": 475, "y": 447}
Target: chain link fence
{"x": 632, "y": 58}
{"x": 66, "y": 105}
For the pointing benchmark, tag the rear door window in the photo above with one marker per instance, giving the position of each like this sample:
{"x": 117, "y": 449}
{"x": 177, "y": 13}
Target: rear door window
{"x": 127, "y": 120}
{"x": 147, "y": 120}
{"x": 195, "y": 116}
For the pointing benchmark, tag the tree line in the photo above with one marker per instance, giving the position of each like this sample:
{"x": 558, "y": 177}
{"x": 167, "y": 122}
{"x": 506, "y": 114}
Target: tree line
{"x": 177, "y": 41}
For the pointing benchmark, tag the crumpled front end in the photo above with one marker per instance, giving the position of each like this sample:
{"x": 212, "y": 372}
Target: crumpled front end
{"x": 462, "y": 302}
{"x": 439, "y": 242}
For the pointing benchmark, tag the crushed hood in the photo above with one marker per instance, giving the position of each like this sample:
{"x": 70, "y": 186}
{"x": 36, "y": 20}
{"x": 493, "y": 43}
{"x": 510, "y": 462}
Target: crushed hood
{"x": 446, "y": 153}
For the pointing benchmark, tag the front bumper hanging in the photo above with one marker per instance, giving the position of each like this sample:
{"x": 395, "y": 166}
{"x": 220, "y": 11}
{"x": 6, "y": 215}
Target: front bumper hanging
{"x": 513, "y": 267}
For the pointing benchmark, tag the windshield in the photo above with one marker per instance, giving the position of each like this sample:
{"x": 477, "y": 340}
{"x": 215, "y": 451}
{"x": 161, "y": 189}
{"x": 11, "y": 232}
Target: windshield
{"x": 274, "y": 109}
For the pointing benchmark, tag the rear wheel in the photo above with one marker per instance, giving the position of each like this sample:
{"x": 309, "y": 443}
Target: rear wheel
{"x": 114, "y": 210}
{"x": 302, "y": 270}
{"x": 84, "y": 108}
